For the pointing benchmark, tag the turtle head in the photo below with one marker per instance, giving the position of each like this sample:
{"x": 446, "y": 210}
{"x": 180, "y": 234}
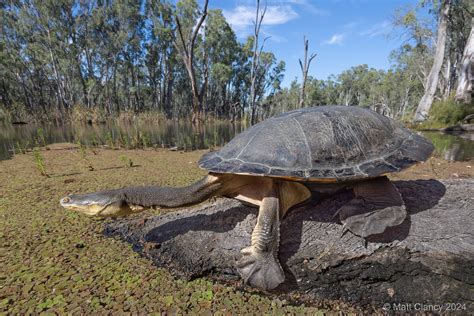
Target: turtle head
{"x": 101, "y": 204}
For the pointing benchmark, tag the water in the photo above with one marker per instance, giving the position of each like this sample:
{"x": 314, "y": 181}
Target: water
{"x": 182, "y": 135}
{"x": 452, "y": 146}
{"x": 176, "y": 134}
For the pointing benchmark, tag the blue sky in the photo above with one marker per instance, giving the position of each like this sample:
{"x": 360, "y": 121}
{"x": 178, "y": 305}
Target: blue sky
{"x": 343, "y": 33}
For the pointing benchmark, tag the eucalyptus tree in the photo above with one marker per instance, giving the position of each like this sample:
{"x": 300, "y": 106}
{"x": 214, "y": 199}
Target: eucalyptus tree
{"x": 161, "y": 55}
{"x": 464, "y": 90}
{"x": 426, "y": 101}
{"x": 188, "y": 22}
{"x": 222, "y": 50}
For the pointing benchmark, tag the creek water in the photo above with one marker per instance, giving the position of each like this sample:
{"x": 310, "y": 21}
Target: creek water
{"x": 182, "y": 135}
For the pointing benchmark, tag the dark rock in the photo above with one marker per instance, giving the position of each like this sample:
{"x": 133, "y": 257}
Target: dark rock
{"x": 427, "y": 259}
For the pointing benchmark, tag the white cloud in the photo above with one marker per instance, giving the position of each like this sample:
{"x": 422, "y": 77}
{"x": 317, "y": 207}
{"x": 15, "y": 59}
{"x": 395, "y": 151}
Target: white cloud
{"x": 307, "y": 5}
{"x": 382, "y": 28}
{"x": 274, "y": 37}
{"x": 336, "y": 39}
{"x": 242, "y": 17}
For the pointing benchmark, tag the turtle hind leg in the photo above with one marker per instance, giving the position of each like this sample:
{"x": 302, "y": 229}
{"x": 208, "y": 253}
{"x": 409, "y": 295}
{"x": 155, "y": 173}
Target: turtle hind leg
{"x": 259, "y": 269}
{"x": 259, "y": 265}
{"x": 376, "y": 206}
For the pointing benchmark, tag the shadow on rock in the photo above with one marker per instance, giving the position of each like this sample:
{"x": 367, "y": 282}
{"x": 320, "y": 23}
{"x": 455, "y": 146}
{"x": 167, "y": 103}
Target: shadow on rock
{"x": 418, "y": 195}
{"x": 315, "y": 255}
{"x": 216, "y": 222}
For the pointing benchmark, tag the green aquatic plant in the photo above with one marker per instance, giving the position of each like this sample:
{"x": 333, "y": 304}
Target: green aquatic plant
{"x": 18, "y": 149}
{"x": 126, "y": 160}
{"x": 41, "y": 139}
{"x": 95, "y": 141}
{"x": 39, "y": 161}
{"x": 83, "y": 154}
{"x": 145, "y": 140}
{"x": 109, "y": 139}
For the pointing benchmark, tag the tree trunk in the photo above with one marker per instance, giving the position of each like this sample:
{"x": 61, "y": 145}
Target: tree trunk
{"x": 427, "y": 259}
{"x": 60, "y": 91}
{"x": 426, "y": 101}
{"x": 255, "y": 62}
{"x": 464, "y": 89}
{"x": 304, "y": 72}
{"x": 187, "y": 53}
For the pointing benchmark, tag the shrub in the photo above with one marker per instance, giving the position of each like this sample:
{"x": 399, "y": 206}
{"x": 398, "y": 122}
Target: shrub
{"x": 449, "y": 112}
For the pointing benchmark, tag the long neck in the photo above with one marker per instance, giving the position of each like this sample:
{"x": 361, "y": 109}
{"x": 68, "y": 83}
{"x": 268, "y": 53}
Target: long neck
{"x": 150, "y": 196}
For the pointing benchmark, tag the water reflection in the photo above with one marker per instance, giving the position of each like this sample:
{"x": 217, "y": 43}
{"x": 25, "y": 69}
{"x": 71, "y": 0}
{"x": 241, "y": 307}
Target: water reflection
{"x": 452, "y": 146}
{"x": 175, "y": 134}
{"x": 182, "y": 135}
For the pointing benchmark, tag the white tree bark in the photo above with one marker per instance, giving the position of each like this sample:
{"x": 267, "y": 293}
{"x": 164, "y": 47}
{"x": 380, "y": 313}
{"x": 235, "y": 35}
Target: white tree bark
{"x": 304, "y": 70}
{"x": 426, "y": 101}
{"x": 256, "y": 61}
{"x": 466, "y": 76}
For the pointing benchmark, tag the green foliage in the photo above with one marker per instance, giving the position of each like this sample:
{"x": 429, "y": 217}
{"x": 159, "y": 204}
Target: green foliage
{"x": 132, "y": 63}
{"x": 41, "y": 139}
{"x": 127, "y": 161}
{"x": 18, "y": 148}
{"x": 39, "y": 161}
{"x": 123, "y": 58}
{"x": 145, "y": 140}
{"x": 95, "y": 141}
{"x": 449, "y": 112}
{"x": 109, "y": 140}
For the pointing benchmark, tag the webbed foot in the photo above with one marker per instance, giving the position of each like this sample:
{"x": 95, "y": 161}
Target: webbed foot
{"x": 260, "y": 269}
{"x": 377, "y": 205}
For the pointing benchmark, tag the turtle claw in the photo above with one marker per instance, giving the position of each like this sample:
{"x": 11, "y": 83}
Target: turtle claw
{"x": 260, "y": 269}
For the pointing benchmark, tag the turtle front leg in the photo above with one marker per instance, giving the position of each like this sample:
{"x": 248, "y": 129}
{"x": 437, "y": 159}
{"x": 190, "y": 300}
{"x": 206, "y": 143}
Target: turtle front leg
{"x": 259, "y": 265}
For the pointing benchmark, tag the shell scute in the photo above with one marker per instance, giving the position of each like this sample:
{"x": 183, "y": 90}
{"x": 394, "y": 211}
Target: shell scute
{"x": 321, "y": 143}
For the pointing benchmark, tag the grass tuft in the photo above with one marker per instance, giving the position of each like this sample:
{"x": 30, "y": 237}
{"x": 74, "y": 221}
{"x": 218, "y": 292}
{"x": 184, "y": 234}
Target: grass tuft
{"x": 128, "y": 162}
{"x": 83, "y": 154}
{"x": 39, "y": 161}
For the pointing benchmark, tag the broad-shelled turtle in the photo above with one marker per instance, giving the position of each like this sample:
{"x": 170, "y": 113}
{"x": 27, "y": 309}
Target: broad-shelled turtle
{"x": 277, "y": 164}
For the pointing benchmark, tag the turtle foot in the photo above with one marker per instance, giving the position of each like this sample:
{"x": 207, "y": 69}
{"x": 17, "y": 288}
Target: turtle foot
{"x": 260, "y": 269}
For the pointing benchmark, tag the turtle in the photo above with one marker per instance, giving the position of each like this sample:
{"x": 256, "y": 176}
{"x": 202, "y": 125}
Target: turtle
{"x": 279, "y": 163}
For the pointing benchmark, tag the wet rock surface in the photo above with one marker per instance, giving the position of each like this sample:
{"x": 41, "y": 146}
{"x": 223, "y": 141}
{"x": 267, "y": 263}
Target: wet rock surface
{"x": 428, "y": 259}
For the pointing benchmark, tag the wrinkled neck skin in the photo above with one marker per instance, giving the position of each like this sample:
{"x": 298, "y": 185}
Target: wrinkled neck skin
{"x": 169, "y": 197}
{"x": 122, "y": 202}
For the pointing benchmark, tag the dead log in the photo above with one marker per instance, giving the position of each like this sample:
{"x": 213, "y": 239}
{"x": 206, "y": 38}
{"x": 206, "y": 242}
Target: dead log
{"x": 428, "y": 259}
